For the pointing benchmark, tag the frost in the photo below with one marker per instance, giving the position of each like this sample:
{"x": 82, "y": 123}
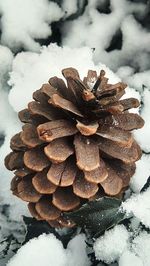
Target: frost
{"x": 24, "y": 21}
{"x": 109, "y": 247}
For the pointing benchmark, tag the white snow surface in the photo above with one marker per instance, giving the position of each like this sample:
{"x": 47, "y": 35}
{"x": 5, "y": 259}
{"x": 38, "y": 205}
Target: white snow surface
{"x": 129, "y": 258}
{"x": 140, "y": 246}
{"x": 111, "y": 245}
{"x": 140, "y": 177}
{"x": 24, "y": 21}
{"x": 139, "y": 206}
{"x": 103, "y": 27}
{"x": 143, "y": 135}
{"x": 9, "y": 125}
{"x": 48, "y": 251}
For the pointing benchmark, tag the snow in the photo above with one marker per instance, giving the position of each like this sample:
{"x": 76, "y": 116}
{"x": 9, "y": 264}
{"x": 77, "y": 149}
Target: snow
{"x": 139, "y": 206}
{"x": 141, "y": 246}
{"x": 111, "y": 245}
{"x": 138, "y": 254}
{"x": 69, "y": 7}
{"x": 45, "y": 250}
{"x": 9, "y": 125}
{"x": 31, "y": 18}
{"x": 50, "y": 62}
{"x": 76, "y": 252}
{"x": 139, "y": 79}
{"x": 140, "y": 177}
{"x": 48, "y": 251}
{"x": 103, "y": 26}
{"x": 129, "y": 258}
{"x": 142, "y": 136}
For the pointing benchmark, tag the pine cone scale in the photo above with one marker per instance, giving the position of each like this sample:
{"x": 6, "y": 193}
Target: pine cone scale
{"x": 83, "y": 188}
{"x": 29, "y": 136}
{"x": 54, "y": 150}
{"x": 36, "y": 160}
{"x": 23, "y": 172}
{"x": 56, "y": 129}
{"x": 16, "y": 143}
{"x": 42, "y": 184}
{"x": 126, "y": 121}
{"x": 65, "y": 200}
{"x": 120, "y": 136}
{"x": 97, "y": 175}
{"x": 87, "y": 153}
{"x": 46, "y": 209}
{"x": 64, "y": 104}
{"x": 113, "y": 184}
{"x": 62, "y": 174}
{"x": 26, "y": 191}
{"x": 87, "y": 130}
{"x": 125, "y": 154}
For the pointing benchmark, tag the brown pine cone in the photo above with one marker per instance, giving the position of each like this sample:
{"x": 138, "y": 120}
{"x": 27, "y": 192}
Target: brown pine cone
{"x": 76, "y": 145}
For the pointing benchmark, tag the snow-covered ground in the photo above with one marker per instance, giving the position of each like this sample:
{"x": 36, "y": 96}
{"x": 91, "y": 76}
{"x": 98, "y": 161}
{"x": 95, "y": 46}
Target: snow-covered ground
{"x": 92, "y": 34}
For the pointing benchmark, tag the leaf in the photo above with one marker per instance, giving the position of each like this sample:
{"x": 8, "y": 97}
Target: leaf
{"x": 36, "y": 228}
{"x": 98, "y": 216}
{"x": 146, "y": 185}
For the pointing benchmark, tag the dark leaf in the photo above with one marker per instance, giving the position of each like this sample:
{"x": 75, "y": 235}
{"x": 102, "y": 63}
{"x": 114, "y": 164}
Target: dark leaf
{"x": 36, "y": 228}
{"x": 98, "y": 216}
{"x": 146, "y": 186}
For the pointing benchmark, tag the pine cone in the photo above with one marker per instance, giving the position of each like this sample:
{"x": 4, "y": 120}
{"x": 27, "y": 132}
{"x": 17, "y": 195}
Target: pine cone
{"x": 76, "y": 145}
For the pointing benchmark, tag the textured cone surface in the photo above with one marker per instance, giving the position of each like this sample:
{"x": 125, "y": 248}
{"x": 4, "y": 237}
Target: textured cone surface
{"x": 76, "y": 145}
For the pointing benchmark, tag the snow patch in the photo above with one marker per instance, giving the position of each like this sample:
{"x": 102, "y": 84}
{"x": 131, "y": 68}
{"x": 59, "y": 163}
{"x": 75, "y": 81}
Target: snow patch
{"x": 47, "y": 250}
{"x": 140, "y": 177}
{"x": 141, "y": 246}
{"x": 24, "y": 21}
{"x": 139, "y": 206}
{"x": 129, "y": 258}
{"x": 111, "y": 245}
{"x": 142, "y": 135}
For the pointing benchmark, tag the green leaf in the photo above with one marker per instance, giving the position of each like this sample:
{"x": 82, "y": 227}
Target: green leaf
{"x": 98, "y": 216}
